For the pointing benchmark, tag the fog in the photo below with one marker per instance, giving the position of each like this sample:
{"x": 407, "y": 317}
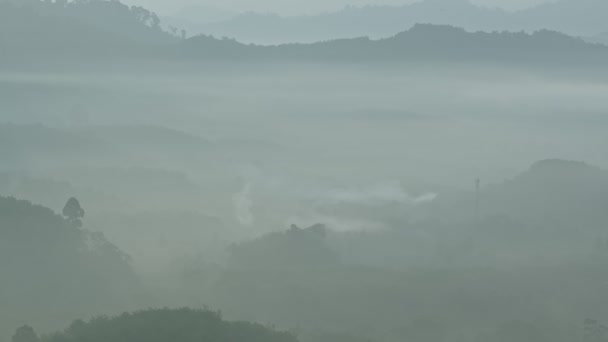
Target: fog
{"x": 300, "y": 7}
{"x": 436, "y": 185}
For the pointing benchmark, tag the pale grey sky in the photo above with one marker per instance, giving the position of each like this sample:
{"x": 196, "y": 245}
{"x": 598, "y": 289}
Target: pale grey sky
{"x": 293, "y": 7}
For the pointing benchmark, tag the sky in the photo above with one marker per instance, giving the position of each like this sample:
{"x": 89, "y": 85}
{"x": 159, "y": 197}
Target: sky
{"x": 295, "y": 7}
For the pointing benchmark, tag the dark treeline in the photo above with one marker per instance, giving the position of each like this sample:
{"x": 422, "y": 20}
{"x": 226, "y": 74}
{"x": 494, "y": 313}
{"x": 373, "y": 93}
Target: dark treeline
{"x": 48, "y": 261}
{"x": 422, "y": 43}
{"x": 160, "y": 325}
{"x": 99, "y": 29}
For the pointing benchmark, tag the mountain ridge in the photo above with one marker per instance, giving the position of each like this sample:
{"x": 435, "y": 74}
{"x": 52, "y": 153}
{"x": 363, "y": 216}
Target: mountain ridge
{"x": 80, "y": 42}
{"x": 578, "y": 18}
{"x": 422, "y": 42}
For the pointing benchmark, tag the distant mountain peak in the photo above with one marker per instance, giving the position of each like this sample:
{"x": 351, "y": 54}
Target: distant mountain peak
{"x": 562, "y": 172}
{"x": 553, "y": 165}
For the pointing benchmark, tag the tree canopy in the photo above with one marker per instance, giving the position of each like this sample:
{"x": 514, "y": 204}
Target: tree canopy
{"x": 73, "y": 212}
{"x": 47, "y": 262}
{"x": 162, "y": 325}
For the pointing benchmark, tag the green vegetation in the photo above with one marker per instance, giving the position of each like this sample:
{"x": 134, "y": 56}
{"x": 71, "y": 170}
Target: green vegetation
{"x": 181, "y": 325}
{"x": 348, "y": 190}
{"x": 52, "y": 268}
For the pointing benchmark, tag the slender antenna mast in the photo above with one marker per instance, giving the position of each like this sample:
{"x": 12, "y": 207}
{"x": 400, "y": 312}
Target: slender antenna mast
{"x": 477, "y": 187}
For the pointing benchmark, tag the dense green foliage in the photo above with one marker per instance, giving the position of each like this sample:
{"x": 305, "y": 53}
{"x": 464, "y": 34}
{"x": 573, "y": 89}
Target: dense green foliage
{"x": 181, "y": 325}
{"x": 295, "y": 248}
{"x": 51, "y": 267}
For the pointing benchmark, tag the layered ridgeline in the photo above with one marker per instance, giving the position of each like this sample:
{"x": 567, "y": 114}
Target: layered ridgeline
{"x": 421, "y": 43}
{"x": 393, "y": 284}
{"x": 99, "y": 31}
{"x": 585, "y": 18}
{"x": 544, "y": 227}
{"x": 53, "y": 270}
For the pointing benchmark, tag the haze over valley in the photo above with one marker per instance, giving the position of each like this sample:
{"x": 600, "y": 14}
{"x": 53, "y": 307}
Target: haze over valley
{"x": 378, "y": 173}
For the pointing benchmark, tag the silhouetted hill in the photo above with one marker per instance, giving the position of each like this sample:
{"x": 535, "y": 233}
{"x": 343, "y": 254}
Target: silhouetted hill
{"x": 421, "y": 43}
{"x": 51, "y": 268}
{"x": 103, "y": 31}
{"x": 565, "y": 199}
{"x": 572, "y": 194}
{"x": 91, "y": 28}
{"x": 182, "y": 325}
{"x": 294, "y": 248}
{"x": 351, "y": 22}
{"x": 574, "y": 17}
{"x": 554, "y": 204}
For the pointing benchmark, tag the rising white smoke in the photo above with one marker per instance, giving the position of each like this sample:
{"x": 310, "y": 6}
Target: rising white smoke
{"x": 368, "y": 206}
{"x": 242, "y": 206}
{"x": 379, "y": 193}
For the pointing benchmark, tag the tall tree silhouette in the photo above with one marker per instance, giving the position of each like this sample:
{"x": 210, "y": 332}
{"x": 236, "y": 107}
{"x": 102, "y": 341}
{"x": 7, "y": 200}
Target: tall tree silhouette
{"x": 25, "y": 334}
{"x": 73, "y": 212}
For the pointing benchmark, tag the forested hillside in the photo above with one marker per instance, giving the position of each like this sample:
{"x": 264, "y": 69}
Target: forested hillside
{"x": 53, "y": 268}
{"x": 181, "y": 325}
{"x": 81, "y": 30}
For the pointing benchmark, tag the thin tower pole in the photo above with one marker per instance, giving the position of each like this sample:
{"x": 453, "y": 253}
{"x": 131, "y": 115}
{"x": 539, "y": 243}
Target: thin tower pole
{"x": 477, "y": 187}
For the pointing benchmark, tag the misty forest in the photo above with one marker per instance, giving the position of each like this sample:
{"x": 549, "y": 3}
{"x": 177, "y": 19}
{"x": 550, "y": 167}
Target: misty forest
{"x": 432, "y": 171}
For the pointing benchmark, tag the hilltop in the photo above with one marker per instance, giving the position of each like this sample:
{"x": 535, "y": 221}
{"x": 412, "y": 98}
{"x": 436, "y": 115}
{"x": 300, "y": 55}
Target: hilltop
{"x": 573, "y": 17}
{"x": 79, "y": 33}
{"x": 183, "y": 325}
